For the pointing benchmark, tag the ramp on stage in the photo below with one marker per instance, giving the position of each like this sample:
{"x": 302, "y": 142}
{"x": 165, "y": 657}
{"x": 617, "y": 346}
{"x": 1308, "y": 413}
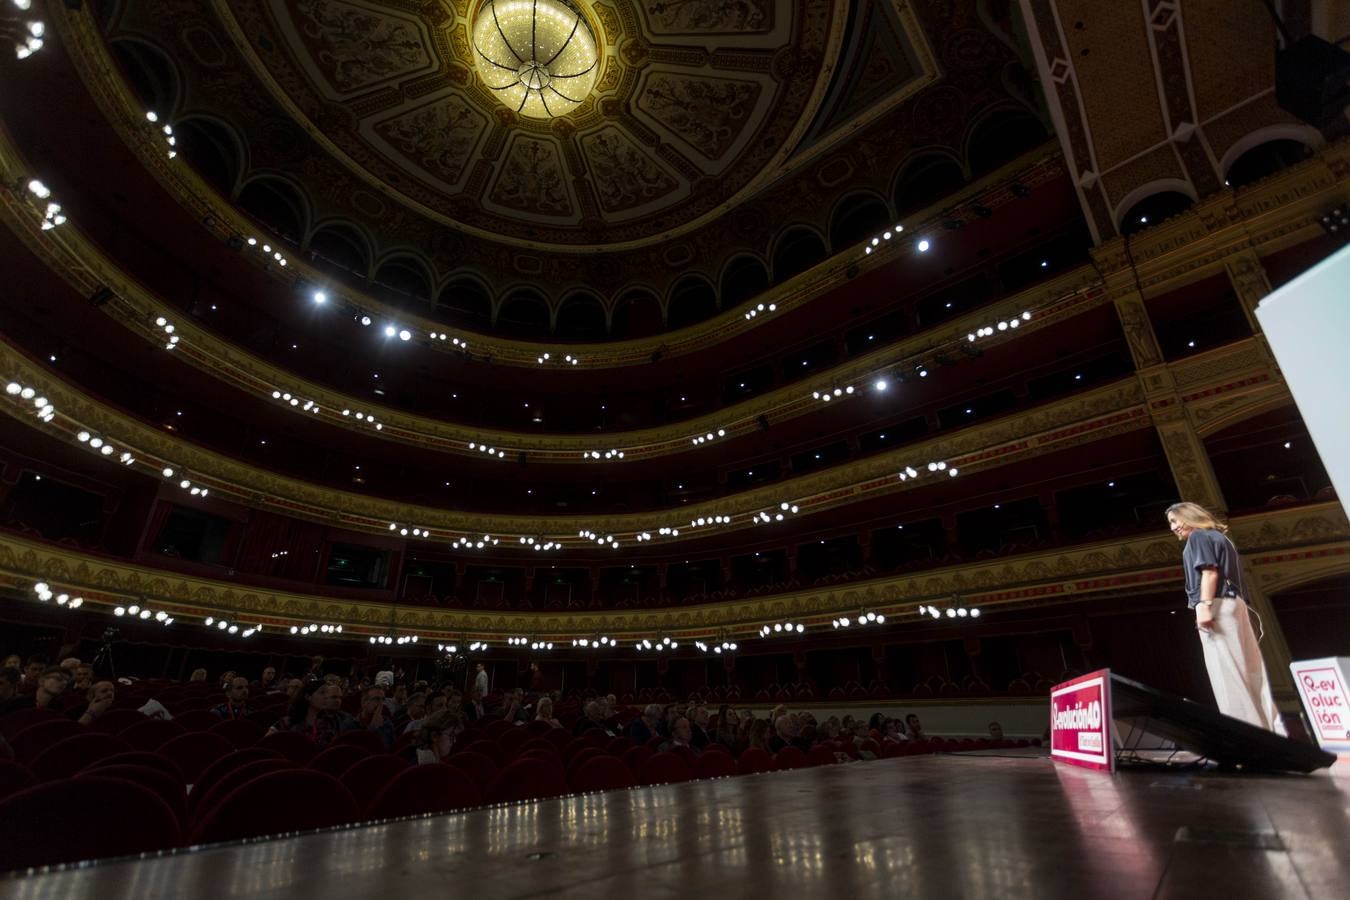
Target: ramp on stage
{"x": 940, "y": 826}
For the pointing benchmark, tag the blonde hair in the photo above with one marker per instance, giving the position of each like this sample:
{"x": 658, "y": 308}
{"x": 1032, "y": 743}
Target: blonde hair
{"x": 198, "y": 675}
{"x": 1196, "y": 516}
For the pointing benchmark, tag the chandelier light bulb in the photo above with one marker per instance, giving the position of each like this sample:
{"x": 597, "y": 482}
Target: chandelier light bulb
{"x": 538, "y": 57}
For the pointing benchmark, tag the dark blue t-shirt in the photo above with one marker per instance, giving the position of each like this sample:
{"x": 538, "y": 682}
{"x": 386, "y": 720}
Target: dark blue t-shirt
{"x": 1207, "y": 548}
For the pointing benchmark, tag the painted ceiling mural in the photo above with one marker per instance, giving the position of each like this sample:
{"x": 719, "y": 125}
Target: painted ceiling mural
{"x": 712, "y": 122}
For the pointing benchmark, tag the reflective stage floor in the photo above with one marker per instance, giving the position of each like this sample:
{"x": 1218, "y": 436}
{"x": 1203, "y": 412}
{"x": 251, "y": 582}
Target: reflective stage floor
{"x": 932, "y": 826}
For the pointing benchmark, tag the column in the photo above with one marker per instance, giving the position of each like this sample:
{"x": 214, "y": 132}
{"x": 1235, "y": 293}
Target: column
{"x": 1250, "y": 282}
{"x": 1138, "y": 330}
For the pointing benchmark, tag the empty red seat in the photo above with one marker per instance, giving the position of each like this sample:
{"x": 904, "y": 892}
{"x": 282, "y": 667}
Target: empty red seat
{"x": 511, "y": 740}
{"x": 821, "y": 755}
{"x": 227, "y": 763}
{"x": 194, "y": 751}
{"x": 580, "y": 758}
{"x": 116, "y": 720}
{"x": 425, "y": 789}
{"x": 789, "y": 758}
{"x": 290, "y": 744}
{"x": 362, "y": 738}
{"x": 715, "y": 765}
{"x": 364, "y": 778}
{"x": 240, "y": 732}
{"x": 575, "y": 746}
{"x": 601, "y": 773}
{"x": 541, "y": 745}
{"x": 197, "y": 720}
{"x": 67, "y": 757}
{"x": 337, "y": 758}
{"x": 200, "y": 802}
{"x": 168, "y": 787}
{"x": 496, "y": 728}
{"x": 142, "y": 758}
{"x": 150, "y": 734}
{"x": 539, "y": 728}
{"x": 283, "y": 801}
{"x": 17, "y": 721}
{"x": 559, "y": 737}
{"x": 664, "y": 768}
{"x": 37, "y": 737}
{"x": 14, "y": 777}
{"x": 527, "y": 779}
{"x": 101, "y": 810}
{"x": 618, "y": 747}
{"x": 754, "y": 759}
{"x": 634, "y": 757}
{"x": 487, "y": 748}
{"x": 478, "y": 765}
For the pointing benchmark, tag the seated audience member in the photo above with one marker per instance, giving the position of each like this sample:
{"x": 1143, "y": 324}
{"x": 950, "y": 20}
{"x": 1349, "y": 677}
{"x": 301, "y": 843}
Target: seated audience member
{"x": 785, "y": 733}
{"x": 400, "y": 696}
{"x": 99, "y": 699}
{"x": 593, "y": 716}
{"x": 236, "y": 700}
{"x": 698, "y": 722}
{"x": 728, "y": 728}
{"x": 892, "y": 734}
{"x": 197, "y": 675}
{"x": 545, "y": 712}
{"x": 51, "y": 683}
{"x": 267, "y": 684}
{"x": 84, "y": 677}
{"x": 315, "y": 714}
{"x": 32, "y": 671}
{"x": 72, "y": 665}
{"x": 517, "y": 710}
{"x": 10, "y": 677}
{"x": 758, "y": 735}
{"x": 680, "y": 734}
{"x": 375, "y": 716}
{"x": 438, "y": 702}
{"x": 643, "y": 728}
{"x": 383, "y": 680}
{"x": 829, "y": 731}
{"x": 877, "y": 724}
{"x": 226, "y": 678}
{"x": 13, "y": 661}
{"x": 996, "y": 731}
{"x": 913, "y": 730}
{"x": 410, "y": 717}
{"x": 436, "y": 737}
{"x": 473, "y": 707}
{"x": 612, "y": 723}
{"x": 294, "y": 687}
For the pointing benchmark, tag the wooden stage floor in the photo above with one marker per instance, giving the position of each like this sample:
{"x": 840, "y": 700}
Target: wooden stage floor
{"x": 931, "y": 826}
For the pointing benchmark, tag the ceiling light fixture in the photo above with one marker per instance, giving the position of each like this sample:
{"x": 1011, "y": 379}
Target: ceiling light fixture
{"x": 538, "y": 57}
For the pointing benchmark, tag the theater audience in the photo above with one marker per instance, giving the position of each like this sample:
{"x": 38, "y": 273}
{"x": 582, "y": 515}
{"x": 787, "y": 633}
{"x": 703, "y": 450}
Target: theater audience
{"x": 32, "y": 671}
{"x": 913, "y": 730}
{"x": 698, "y": 723}
{"x": 643, "y": 728}
{"x": 787, "y": 729}
{"x": 10, "y": 677}
{"x": 593, "y": 716}
{"x": 236, "y": 700}
{"x": 480, "y": 681}
{"x": 71, "y": 664}
{"x": 375, "y": 716}
{"x": 758, "y": 735}
{"x": 315, "y": 714}
{"x": 13, "y": 661}
{"x": 545, "y": 712}
{"x": 996, "y": 731}
{"x": 84, "y": 677}
{"x": 680, "y": 734}
{"x": 727, "y": 732}
{"x": 198, "y": 675}
{"x": 410, "y": 717}
{"x": 473, "y": 707}
{"x": 891, "y": 733}
{"x": 51, "y": 683}
{"x": 516, "y": 708}
{"x": 436, "y": 737}
{"x": 98, "y": 700}
{"x": 267, "y": 684}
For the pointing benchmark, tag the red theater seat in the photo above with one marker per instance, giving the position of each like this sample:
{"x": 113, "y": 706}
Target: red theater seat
{"x": 14, "y": 777}
{"x": 105, "y": 807}
{"x": 20, "y": 719}
{"x": 539, "y": 728}
{"x": 114, "y": 721}
{"x": 789, "y": 758}
{"x": 201, "y": 802}
{"x": 292, "y": 745}
{"x": 511, "y": 740}
{"x": 337, "y": 758}
{"x": 150, "y": 734}
{"x": 223, "y": 766}
{"x": 194, "y": 751}
{"x": 197, "y": 720}
{"x": 664, "y": 768}
{"x": 65, "y": 758}
{"x": 618, "y": 747}
{"x": 601, "y": 773}
{"x": 487, "y": 748}
{"x": 477, "y": 765}
{"x": 284, "y": 801}
{"x": 142, "y": 758}
{"x": 753, "y": 760}
{"x": 634, "y": 757}
{"x": 167, "y": 787}
{"x": 425, "y": 789}
{"x": 363, "y": 738}
{"x": 821, "y": 755}
{"x": 580, "y": 758}
{"x": 541, "y": 745}
{"x": 715, "y": 765}
{"x": 241, "y": 732}
{"x": 527, "y": 779}
{"x": 366, "y": 777}
{"x": 34, "y": 739}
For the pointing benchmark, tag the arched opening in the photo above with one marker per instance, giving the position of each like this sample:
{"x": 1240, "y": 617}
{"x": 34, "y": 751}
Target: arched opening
{"x": 636, "y": 314}
{"x": 212, "y": 150}
{"x": 338, "y": 247}
{"x": 1153, "y": 209}
{"x": 799, "y": 248}
{"x": 525, "y": 313}
{"x": 1000, "y": 137}
{"x": 403, "y": 281}
{"x": 581, "y": 317}
{"x": 1315, "y": 616}
{"x": 468, "y": 303}
{"x": 1266, "y": 159}
{"x": 277, "y": 205}
{"x": 743, "y": 278}
{"x": 924, "y": 181}
{"x": 856, "y": 218}
{"x": 151, "y": 75}
{"x": 692, "y": 300}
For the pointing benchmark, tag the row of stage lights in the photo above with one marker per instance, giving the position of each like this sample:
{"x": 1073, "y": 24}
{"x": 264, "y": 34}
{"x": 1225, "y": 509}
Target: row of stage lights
{"x": 951, "y": 612}
{"x": 43, "y": 409}
{"x": 866, "y": 618}
{"x": 781, "y": 628}
{"x": 46, "y": 595}
{"x": 29, "y": 37}
{"x": 723, "y": 647}
{"x": 533, "y": 645}
{"x": 52, "y": 216}
{"x": 567, "y": 360}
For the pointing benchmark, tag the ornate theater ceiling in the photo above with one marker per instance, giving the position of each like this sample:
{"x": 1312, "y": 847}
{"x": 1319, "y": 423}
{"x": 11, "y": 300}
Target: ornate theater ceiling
{"x": 710, "y": 123}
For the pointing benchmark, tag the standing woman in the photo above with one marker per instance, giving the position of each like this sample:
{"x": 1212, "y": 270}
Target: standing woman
{"x": 1215, "y": 590}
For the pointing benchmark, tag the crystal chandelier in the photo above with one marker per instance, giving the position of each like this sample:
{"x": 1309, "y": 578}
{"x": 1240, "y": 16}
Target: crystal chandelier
{"x": 538, "y": 57}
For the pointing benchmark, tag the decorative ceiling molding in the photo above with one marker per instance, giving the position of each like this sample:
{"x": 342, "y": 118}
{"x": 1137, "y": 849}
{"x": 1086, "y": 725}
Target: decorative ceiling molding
{"x": 1286, "y": 547}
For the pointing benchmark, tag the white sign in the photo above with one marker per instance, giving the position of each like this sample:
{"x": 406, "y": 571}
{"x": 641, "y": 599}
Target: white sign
{"x": 1322, "y": 685}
